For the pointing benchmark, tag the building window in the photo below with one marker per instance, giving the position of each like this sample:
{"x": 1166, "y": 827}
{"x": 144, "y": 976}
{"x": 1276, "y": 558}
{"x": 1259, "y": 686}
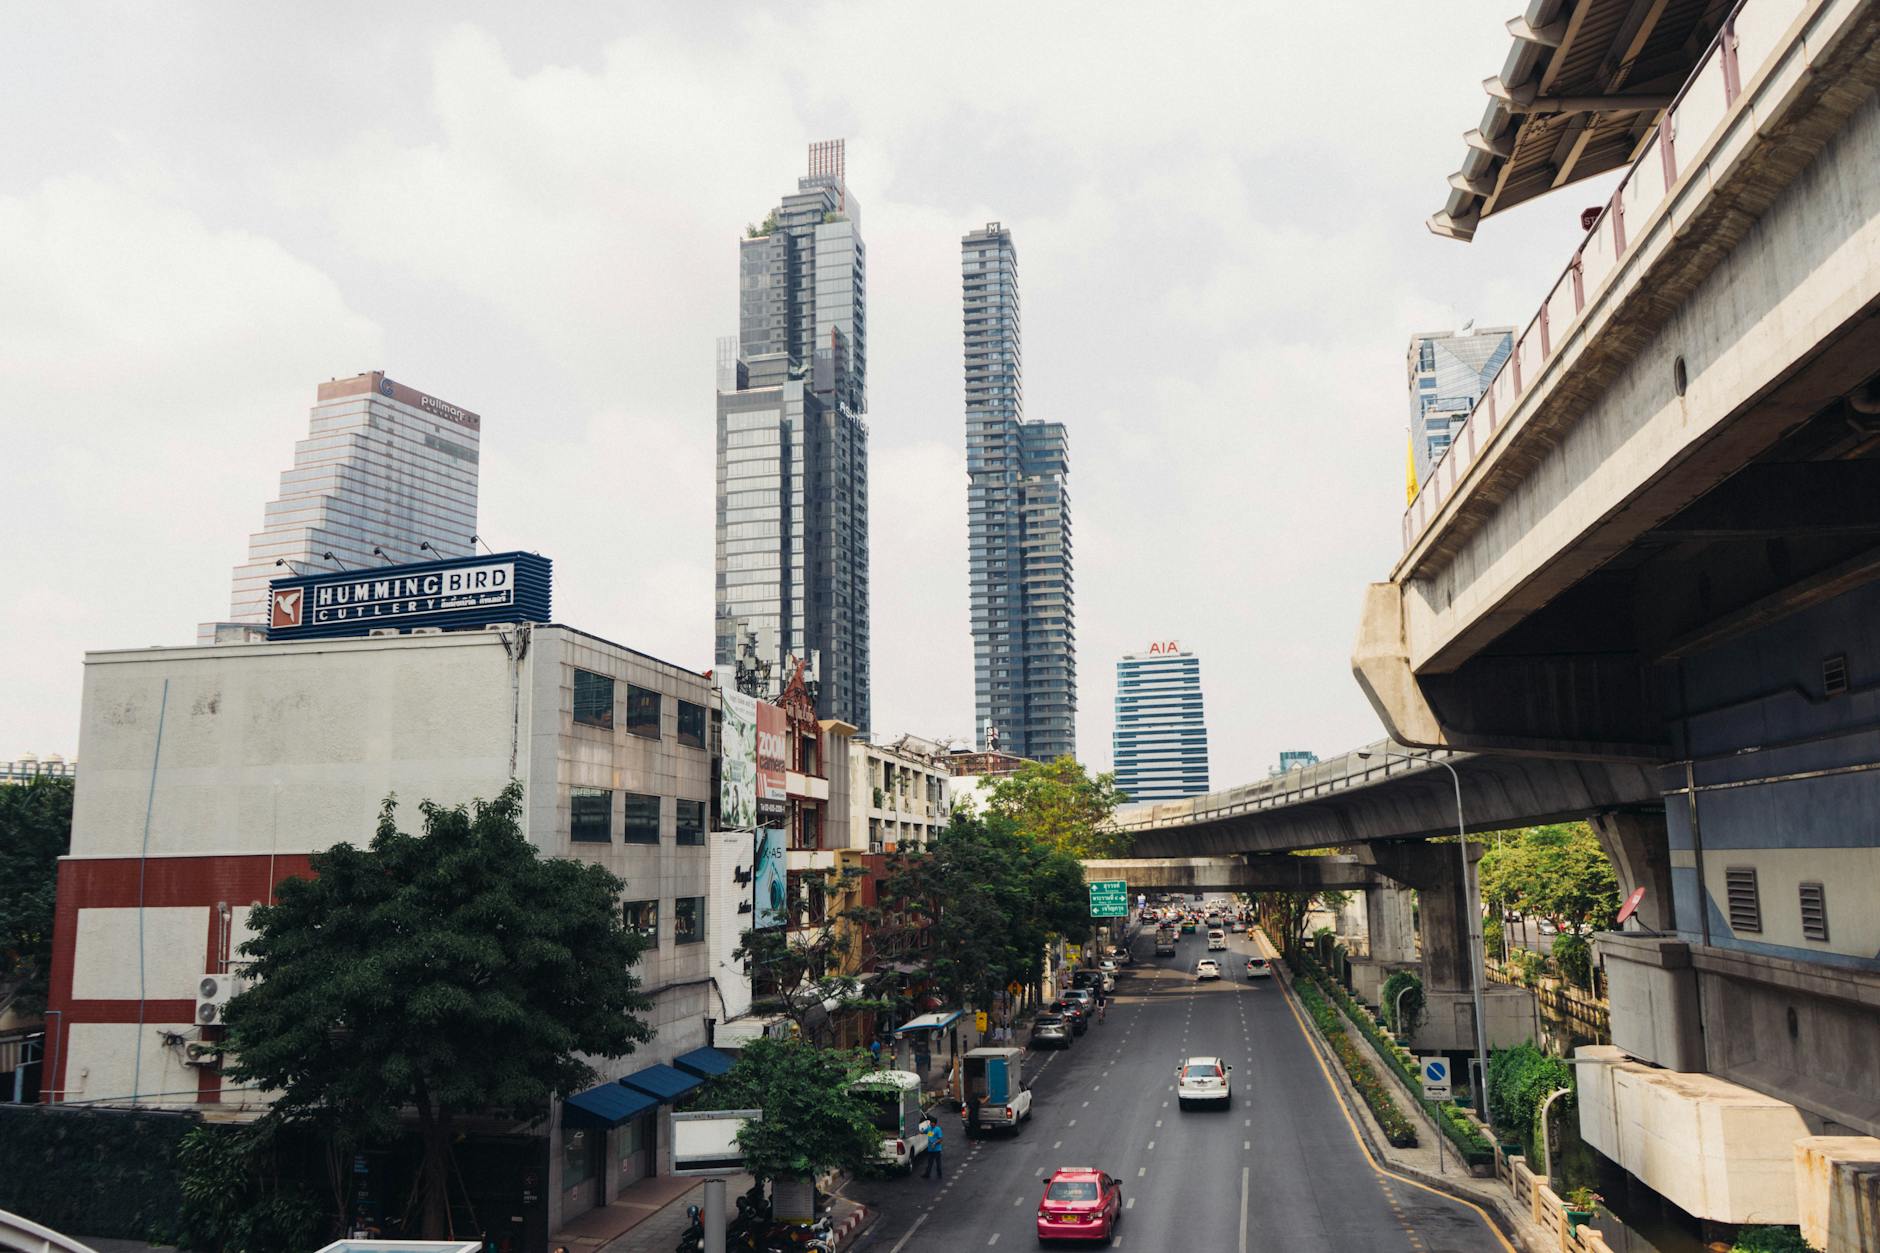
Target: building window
{"x": 689, "y": 826}
{"x": 642, "y": 819}
{"x": 577, "y": 1156}
{"x": 643, "y": 917}
{"x": 642, "y": 712}
{"x": 691, "y": 724}
{"x": 688, "y": 920}
{"x": 591, "y": 815}
{"x": 593, "y": 700}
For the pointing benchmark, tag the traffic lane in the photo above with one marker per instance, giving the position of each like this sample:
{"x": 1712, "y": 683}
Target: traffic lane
{"x": 992, "y": 1184}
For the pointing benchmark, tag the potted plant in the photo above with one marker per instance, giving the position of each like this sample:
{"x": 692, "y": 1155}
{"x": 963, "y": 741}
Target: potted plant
{"x": 1580, "y": 1204}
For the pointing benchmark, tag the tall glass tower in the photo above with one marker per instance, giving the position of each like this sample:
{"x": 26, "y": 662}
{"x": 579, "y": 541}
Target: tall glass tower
{"x": 386, "y": 475}
{"x": 1448, "y": 372}
{"x": 1018, "y": 525}
{"x": 792, "y": 545}
{"x": 1161, "y": 737}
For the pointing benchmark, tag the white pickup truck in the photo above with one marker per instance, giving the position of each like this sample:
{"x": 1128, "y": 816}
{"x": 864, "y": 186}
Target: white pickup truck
{"x": 894, "y": 1098}
{"x": 994, "y": 1082}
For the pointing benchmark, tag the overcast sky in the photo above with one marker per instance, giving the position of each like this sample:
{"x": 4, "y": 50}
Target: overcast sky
{"x": 534, "y": 213}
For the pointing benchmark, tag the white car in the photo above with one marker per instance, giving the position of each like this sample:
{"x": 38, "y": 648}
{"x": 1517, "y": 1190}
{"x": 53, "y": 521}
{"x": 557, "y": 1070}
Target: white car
{"x": 1203, "y": 1081}
{"x": 1257, "y": 968}
{"x": 1207, "y": 968}
{"x": 1217, "y": 940}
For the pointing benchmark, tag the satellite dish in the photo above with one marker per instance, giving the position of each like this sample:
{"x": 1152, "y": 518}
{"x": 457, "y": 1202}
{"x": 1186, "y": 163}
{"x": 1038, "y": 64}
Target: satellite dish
{"x": 1631, "y": 905}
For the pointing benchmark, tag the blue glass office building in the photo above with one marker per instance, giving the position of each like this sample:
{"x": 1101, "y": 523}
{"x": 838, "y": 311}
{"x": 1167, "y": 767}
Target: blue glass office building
{"x": 1161, "y": 737}
{"x": 1448, "y": 372}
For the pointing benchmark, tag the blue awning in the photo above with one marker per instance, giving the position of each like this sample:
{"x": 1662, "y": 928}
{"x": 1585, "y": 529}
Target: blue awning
{"x": 608, "y": 1105}
{"x": 663, "y": 1083}
{"x": 706, "y": 1063}
{"x": 937, "y": 1021}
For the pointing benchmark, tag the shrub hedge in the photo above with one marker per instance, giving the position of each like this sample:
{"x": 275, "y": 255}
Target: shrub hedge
{"x": 1399, "y": 1130}
{"x": 1470, "y": 1144}
{"x": 96, "y": 1172}
{"x": 1519, "y": 1080}
{"x": 1770, "y": 1240}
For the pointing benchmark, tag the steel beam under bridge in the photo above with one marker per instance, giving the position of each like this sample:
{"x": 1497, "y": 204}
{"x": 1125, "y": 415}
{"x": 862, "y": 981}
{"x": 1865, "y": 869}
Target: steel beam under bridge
{"x": 1387, "y": 792}
{"x": 1277, "y": 873}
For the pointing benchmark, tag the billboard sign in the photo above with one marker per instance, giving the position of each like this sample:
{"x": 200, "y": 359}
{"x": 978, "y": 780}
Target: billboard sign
{"x": 773, "y": 762}
{"x": 457, "y": 594}
{"x": 737, "y": 786}
{"x": 706, "y": 1142}
{"x": 770, "y": 882}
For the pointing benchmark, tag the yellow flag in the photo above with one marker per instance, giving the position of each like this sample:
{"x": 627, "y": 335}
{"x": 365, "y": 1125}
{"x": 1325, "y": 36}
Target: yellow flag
{"x": 1410, "y": 471}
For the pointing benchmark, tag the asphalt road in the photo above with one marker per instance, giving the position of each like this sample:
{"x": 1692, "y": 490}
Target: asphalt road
{"x": 1281, "y": 1170}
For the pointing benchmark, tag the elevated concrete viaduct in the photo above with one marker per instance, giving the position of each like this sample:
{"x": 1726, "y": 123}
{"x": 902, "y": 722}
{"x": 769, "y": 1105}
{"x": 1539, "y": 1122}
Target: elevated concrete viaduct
{"x": 1237, "y": 874}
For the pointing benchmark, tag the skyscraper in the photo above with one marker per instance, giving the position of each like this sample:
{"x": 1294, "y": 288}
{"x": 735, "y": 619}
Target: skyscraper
{"x": 1449, "y": 371}
{"x": 1018, "y": 524}
{"x": 792, "y": 547}
{"x": 384, "y": 466}
{"x": 1161, "y": 737}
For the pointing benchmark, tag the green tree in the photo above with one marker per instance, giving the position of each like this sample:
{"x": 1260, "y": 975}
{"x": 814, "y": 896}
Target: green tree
{"x": 812, "y": 1121}
{"x": 807, "y": 969}
{"x": 1558, "y": 872}
{"x": 988, "y": 899}
{"x": 450, "y": 973}
{"x": 35, "y": 831}
{"x": 1064, "y": 806}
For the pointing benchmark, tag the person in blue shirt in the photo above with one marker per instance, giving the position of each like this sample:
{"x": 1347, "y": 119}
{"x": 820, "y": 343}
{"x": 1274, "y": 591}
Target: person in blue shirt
{"x": 936, "y": 1144}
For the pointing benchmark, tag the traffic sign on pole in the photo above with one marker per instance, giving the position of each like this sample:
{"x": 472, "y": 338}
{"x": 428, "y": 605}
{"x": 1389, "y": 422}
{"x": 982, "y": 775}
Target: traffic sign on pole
{"x": 1109, "y": 898}
{"x": 1435, "y": 1077}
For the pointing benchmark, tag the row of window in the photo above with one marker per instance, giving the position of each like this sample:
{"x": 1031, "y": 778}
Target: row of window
{"x": 594, "y": 707}
{"x": 688, "y": 919}
{"x": 591, "y": 818}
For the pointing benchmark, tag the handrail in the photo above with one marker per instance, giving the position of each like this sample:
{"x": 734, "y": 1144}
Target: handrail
{"x": 1472, "y": 437}
{"x": 29, "y": 1237}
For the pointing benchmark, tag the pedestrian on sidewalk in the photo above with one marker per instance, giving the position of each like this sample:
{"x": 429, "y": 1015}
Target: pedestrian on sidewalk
{"x": 874, "y": 1051}
{"x": 936, "y": 1145}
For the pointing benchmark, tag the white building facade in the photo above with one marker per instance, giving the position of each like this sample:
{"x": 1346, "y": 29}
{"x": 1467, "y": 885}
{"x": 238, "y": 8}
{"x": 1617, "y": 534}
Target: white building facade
{"x": 898, "y": 794}
{"x": 213, "y": 772}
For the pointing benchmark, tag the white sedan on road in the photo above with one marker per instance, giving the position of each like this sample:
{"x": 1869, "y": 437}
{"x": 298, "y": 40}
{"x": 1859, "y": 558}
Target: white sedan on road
{"x": 1203, "y": 1081}
{"x": 1207, "y": 968}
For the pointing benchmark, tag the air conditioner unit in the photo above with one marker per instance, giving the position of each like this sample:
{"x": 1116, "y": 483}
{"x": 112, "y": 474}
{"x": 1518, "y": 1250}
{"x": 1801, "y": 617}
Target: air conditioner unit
{"x": 382, "y": 631}
{"x": 427, "y": 630}
{"x": 213, "y": 993}
{"x": 201, "y": 1053}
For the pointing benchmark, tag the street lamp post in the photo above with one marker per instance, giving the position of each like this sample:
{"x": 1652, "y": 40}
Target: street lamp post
{"x": 1473, "y": 906}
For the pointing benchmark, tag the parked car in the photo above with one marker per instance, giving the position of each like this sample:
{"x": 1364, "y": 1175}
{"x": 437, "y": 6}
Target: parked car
{"x": 1050, "y": 1031}
{"x": 1203, "y": 1081}
{"x": 1121, "y": 955}
{"x": 1079, "y": 1203}
{"x": 1207, "y": 968}
{"x": 1074, "y": 1013}
{"x": 1258, "y": 969}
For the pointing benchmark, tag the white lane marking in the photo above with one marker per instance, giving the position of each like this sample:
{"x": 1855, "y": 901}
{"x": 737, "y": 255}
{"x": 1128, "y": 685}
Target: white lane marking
{"x": 1130, "y": 1203}
{"x": 1018, "y": 1200}
{"x": 1247, "y": 1123}
{"x": 1164, "y": 1104}
{"x": 1057, "y": 1144}
{"x": 1246, "y": 1144}
{"x": 902, "y": 1242}
{"x": 1244, "y": 1174}
{"x": 1071, "y": 1123}
{"x": 993, "y": 1239}
{"x": 1086, "y": 1105}
{"x": 1140, "y": 1172}
{"x": 1152, "y": 1144}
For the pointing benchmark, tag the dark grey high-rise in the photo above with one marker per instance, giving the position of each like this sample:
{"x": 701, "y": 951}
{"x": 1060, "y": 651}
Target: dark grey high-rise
{"x": 1018, "y": 524}
{"x": 793, "y": 448}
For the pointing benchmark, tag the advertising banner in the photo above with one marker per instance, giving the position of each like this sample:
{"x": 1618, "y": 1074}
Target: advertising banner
{"x": 773, "y": 762}
{"x": 771, "y": 882}
{"x": 737, "y": 788}
{"x": 459, "y": 593}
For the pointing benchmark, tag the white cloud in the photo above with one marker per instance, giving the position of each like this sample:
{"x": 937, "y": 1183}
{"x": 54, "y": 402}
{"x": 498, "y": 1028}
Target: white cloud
{"x": 1221, "y": 256}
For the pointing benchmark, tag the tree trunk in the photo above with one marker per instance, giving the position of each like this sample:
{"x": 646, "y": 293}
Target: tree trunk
{"x": 434, "y": 1171}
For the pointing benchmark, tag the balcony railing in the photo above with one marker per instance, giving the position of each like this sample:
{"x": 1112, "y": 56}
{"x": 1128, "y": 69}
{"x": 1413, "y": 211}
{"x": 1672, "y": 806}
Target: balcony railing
{"x": 1751, "y": 38}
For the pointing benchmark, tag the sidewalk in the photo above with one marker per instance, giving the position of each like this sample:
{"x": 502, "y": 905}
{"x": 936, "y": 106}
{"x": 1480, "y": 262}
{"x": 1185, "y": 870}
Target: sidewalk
{"x": 1418, "y": 1164}
{"x": 650, "y": 1215}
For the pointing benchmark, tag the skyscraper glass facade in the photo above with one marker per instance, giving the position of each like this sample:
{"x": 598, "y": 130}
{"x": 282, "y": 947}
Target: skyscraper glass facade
{"x": 1448, "y": 372}
{"x": 1018, "y": 524}
{"x": 792, "y": 490}
{"x": 1161, "y": 738}
{"x": 383, "y": 466}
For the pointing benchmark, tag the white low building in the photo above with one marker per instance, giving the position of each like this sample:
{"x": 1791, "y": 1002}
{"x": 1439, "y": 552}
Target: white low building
{"x": 213, "y": 772}
{"x": 898, "y": 793}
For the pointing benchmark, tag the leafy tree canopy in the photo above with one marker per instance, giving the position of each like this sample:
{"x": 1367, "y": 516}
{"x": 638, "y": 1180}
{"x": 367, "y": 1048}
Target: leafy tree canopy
{"x": 35, "y": 831}
{"x": 988, "y": 897}
{"x": 1060, "y": 804}
{"x": 812, "y": 970}
{"x": 1558, "y": 872}
{"x": 812, "y": 1122}
{"x": 452, "y": 972}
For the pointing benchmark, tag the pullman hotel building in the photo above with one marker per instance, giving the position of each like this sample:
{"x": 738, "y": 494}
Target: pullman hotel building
{"x": 218, "y": 769}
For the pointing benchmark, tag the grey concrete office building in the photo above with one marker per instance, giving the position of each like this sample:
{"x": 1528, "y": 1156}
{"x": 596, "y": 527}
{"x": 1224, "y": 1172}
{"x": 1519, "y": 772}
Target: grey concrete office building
{"x": 792, "y": 545}
{"x": 1018, "y": 524}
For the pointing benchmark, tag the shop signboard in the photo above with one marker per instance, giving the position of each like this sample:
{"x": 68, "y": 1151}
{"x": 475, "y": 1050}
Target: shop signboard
{"x": 773, "y": 763}
{"x": 462, "y": 593}
{"x": 770, "y": 882}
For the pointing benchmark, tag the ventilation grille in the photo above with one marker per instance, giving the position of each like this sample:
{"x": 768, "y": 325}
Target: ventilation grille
{"x": 1834, "y": 675}
{"x": 1745, "y": 903}
{"x": 1814, "y": 912}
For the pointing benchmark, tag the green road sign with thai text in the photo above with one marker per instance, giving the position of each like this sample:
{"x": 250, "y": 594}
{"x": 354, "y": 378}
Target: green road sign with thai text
{"x": 1109, "y": 899}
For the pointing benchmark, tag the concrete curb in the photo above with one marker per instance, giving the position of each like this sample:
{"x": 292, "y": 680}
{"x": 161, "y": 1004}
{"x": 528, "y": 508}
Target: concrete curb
{"x": 1506, "y": 1214}
{"x": 850, "y": 1229}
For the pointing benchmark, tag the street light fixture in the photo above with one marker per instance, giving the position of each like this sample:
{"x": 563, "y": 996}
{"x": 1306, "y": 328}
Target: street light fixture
{"x": 1473, "y": 904}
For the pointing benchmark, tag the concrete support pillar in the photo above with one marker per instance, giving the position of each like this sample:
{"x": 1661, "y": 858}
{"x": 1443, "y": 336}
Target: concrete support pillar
{"x": 1640, "y": 853}
{"x": 1435, "y": 871}
{"x": 1390, "y": 920}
